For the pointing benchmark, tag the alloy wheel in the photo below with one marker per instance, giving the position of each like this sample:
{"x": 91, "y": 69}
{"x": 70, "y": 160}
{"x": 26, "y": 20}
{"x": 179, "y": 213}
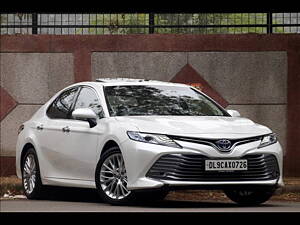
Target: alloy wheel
{"x": 113, "y": 178}
{"x": 29, "y": 173}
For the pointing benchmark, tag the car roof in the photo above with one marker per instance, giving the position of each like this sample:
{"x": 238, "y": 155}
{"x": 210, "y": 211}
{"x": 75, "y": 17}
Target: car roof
{"x": 127, "y": 81}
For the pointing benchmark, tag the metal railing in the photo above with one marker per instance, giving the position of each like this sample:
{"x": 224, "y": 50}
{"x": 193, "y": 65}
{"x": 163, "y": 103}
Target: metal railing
{"x": 143, "y": 23}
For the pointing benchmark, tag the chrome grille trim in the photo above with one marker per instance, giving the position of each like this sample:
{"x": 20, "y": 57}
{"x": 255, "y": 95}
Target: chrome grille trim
{"x": 211, "y": 142}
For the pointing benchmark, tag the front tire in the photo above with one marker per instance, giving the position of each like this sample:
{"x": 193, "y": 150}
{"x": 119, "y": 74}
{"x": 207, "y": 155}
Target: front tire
{"x": 111, "y": 178}
{"x": 249, "y": 197}
{"x": 111, "y": 182}
{"x": 31, "y": 179}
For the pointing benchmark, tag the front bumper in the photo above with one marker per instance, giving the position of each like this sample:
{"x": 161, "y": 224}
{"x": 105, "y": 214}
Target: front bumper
{"x": 141, "y": 157}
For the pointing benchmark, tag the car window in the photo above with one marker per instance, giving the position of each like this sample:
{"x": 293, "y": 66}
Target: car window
{"x": 61, "y": 106}
{"x": 88, "y": 98}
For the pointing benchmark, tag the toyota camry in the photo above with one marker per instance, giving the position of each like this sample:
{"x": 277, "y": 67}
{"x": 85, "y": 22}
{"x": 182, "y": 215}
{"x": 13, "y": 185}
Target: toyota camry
{"x": 137, "y": 139}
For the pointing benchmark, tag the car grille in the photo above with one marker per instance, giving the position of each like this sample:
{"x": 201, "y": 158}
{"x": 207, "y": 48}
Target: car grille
{"x": 191, "y": 167}
{"x": 213, "y": 142}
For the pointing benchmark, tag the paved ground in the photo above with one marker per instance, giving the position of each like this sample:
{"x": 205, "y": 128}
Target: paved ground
{"x": 165, "y": 206}
{"x": 87, "y": 200}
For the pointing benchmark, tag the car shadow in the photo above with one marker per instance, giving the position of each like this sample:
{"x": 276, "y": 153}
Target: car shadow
{"x": 195, "y": 204}
{"x": 185, "y": 204}
{"x": 70, "y": 194}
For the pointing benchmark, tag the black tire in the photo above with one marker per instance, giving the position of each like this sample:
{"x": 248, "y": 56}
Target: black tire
{"x": 250, "y": 197}
{"x": 129, "y": 199}
{"x": 39, "y": 189}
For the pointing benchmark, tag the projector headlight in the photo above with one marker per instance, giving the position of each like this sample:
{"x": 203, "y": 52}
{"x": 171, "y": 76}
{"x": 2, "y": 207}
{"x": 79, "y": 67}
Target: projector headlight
{"x": 268, "y": 140}
{"x": 158, "y": 139}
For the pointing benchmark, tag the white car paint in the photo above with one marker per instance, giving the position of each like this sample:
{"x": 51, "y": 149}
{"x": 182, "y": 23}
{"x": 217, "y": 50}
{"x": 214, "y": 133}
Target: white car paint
{"x": 70, "y": 158}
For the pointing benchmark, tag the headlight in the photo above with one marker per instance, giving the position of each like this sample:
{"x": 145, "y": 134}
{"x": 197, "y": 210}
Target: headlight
{"x": 158, "y": 139}
{"x": 268, "y": 140}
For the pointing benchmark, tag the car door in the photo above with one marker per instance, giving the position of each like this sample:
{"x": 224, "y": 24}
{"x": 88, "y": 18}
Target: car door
{"x": 69, "y": 145}
{"x": 51, "y": 139}
{"x": 82, "y": 141}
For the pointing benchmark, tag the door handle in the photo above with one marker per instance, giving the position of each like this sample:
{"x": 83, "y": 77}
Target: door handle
{"x": 66, "y": 129}
{"x": 40, "y": 127}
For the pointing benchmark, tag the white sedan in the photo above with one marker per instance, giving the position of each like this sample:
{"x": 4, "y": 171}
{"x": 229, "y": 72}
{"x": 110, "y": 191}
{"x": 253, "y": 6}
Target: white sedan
{"x": 138, "y": 139}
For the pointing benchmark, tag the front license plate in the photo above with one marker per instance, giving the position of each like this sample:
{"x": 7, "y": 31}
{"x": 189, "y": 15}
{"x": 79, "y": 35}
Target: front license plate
{"x": 226, "y": 165}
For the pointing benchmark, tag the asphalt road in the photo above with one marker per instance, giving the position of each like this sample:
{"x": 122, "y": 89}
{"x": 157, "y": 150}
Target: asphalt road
{"x": 164, "y": 206}
{"x": 82, "y": 200}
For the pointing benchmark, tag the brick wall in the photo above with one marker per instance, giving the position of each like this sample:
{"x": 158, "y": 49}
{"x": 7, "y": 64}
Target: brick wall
{"x": 258, "y": 75}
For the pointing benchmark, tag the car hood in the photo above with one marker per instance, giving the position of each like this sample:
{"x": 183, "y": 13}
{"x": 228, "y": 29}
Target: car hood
{"x": 197, "y": 126}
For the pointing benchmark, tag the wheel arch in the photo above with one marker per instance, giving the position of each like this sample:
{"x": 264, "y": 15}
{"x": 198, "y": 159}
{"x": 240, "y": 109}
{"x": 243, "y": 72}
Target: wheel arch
{"x": 26, "y": 147}
{"x": 108, "y": 145}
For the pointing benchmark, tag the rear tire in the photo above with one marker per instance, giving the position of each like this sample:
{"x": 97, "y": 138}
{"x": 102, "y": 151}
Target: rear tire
{"x": 31, "y": 179}
{"x": 249, "y": 197}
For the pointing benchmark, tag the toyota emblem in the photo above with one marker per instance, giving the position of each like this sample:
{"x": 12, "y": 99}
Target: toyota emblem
{"x": 223, "y": 144}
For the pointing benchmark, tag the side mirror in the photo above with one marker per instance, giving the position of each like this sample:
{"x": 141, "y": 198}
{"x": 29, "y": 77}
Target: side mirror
{"x": 85, "y": 114}
{"x": 234, "y": 113}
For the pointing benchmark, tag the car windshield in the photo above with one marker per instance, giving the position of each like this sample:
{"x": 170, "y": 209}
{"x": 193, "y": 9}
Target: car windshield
{"x": 148, "y": 100}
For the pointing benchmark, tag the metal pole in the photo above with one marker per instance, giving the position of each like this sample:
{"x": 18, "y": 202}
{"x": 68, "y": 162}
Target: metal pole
{"x": 34, "y": 23}
{"x": 151, "y": 23}
{"x": 269, "y": 23}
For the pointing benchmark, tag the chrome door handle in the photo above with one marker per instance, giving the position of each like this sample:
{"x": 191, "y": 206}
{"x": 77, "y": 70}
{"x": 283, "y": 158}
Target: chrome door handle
{"x": 40, "y": 127}
{"x": 66, "y": 129}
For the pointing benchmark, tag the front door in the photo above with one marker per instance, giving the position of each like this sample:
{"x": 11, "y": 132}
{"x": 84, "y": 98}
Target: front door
{"x": 81, "y": 142}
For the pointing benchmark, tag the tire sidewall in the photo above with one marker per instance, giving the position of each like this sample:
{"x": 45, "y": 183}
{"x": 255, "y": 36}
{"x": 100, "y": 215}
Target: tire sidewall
{"x": 35, "y": 194}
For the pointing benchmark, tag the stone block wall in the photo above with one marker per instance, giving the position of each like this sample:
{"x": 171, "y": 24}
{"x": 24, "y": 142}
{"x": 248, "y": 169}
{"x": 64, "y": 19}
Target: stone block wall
{"x": 258, "y": 75}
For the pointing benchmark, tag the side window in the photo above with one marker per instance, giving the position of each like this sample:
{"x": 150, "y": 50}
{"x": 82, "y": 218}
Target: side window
{"x": 87, "y": 98}
{"x": 61, "y": 106}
